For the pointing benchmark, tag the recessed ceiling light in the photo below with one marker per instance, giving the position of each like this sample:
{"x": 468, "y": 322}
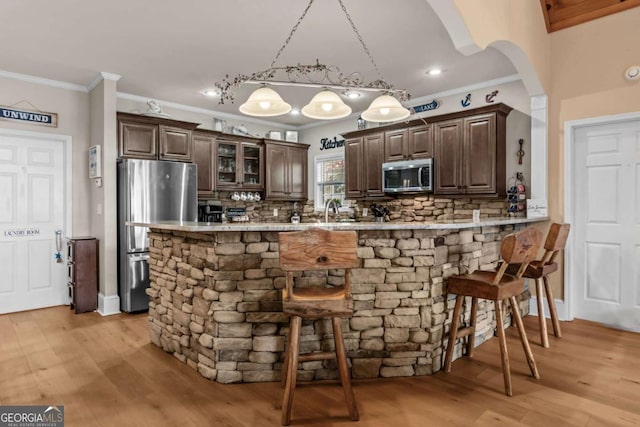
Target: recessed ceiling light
{"x": 210, "y": 93}
{"x": 295, "y": 112}
{"x": 434, "y": 71}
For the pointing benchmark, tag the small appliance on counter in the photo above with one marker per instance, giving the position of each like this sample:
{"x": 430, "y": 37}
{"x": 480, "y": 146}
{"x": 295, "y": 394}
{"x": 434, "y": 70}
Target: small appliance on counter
{"x": 237, "y": 215}
{"x": 210, "y": 211}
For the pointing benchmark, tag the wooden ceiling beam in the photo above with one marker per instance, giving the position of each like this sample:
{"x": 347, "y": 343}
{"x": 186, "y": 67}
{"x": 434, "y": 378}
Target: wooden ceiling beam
{"x": 559, "y": 14}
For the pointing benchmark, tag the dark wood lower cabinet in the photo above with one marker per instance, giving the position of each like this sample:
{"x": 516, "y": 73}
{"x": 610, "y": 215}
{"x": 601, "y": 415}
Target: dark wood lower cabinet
{"x": 82, "y": 264}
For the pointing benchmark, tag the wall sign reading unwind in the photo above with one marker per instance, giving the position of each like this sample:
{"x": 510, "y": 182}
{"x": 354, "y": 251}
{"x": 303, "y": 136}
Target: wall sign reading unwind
{"x": 27, "y": 116}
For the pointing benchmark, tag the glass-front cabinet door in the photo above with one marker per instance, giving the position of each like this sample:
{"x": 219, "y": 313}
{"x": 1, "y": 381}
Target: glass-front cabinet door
{"x": 252, "y": 166}
{"x": 239, "y": 165}
{"x": 227, "y": 172}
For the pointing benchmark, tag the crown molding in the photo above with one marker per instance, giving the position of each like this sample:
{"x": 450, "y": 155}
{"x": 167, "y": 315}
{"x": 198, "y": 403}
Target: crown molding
{"x": 102, "y": 76}
{"x": 465, "y": 89}
{"x": 42, "y": 81}
{"x": 213, "y": 113}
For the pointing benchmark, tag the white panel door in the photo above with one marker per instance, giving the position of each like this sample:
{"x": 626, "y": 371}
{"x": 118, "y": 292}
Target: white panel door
{"x": 607, "y": 224}
{"x": 31, "y": 210}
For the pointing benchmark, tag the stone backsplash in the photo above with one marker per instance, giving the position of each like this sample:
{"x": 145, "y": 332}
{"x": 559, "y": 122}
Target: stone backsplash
{"x": 215, "y": 301}
{"x": 402, "y": 209}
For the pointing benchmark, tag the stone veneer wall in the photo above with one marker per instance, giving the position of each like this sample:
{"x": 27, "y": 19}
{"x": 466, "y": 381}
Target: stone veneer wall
{"x": 215, "y": 302}
{"x": 402, "y": 209}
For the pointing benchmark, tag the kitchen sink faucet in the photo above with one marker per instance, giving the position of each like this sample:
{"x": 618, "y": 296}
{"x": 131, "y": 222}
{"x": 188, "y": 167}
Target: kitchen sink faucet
{"x": 327, "y": 205}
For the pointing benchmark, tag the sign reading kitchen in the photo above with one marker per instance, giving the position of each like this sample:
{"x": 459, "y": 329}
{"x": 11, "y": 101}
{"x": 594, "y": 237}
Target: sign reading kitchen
{"x": 27, "y": 116}
{"x": 326, "y": 143}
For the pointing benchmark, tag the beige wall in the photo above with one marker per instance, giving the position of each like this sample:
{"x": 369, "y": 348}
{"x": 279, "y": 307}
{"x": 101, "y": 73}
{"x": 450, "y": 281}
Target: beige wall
{"x": 519, "y": 23}
{"x": 72, "y": 108}
{"x": 588, "y": 62}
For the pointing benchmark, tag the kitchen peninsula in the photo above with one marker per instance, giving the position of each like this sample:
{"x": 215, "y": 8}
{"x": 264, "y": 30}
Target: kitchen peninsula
{"x": 215, "y": 300}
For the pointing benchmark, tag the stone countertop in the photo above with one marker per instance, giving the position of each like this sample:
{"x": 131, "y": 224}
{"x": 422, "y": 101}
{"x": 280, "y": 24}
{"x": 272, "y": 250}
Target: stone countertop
{"x": 191, "y": 226}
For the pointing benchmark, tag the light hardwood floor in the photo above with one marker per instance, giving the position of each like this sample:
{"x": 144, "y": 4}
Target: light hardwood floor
{"x": 106, "y": 373}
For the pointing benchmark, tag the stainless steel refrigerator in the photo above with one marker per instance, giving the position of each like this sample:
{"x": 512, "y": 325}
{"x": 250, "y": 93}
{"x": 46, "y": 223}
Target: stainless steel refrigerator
{"x": 148, "y": 191}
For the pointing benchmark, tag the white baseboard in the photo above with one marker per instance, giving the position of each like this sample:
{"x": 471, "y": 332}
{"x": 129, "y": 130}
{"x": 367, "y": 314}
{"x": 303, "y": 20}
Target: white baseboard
{"x": 108, "y": 305}
{"x": 561, "y": 307}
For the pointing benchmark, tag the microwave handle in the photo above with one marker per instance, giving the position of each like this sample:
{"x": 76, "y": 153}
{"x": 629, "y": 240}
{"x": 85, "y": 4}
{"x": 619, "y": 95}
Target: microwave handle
{"x": 420, "y": 176}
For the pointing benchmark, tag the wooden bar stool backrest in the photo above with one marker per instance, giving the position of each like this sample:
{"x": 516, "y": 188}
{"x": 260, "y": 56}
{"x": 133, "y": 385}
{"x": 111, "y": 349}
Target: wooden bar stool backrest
{"x": 556, "y": 242}
{"x": 518, "y": 248}
{"x": 317, "y": 249}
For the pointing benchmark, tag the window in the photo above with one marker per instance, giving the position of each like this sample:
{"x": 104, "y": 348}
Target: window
{"x": 329, "y": 179}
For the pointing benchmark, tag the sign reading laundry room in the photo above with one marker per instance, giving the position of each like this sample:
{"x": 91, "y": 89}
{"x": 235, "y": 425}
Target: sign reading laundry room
{"x": 326, "y": 143}
{"x": 28, "y": 116}
{"x": 22, "y": 232}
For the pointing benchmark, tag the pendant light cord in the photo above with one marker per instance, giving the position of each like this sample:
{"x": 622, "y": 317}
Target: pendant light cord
{"x": 353, "y": 27}
{"x": 364, "y": 46}
{"x": 293, "y": 30}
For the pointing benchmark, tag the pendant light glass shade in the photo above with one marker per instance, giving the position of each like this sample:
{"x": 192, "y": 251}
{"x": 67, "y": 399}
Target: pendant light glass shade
{"x": 326, "y": 105}
{"x": 385, "y": 108}
{"x": 265, "y": 102}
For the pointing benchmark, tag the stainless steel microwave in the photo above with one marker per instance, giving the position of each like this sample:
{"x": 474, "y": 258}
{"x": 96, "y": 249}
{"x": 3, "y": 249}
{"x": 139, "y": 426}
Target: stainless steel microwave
{"x": 407, "y": 176}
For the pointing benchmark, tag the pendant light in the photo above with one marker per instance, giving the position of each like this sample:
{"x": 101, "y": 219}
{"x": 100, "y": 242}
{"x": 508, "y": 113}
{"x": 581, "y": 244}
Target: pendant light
{"x": 326, "y": 105}
{"x": 265, "y": 102}
{"x": 385, "y": 108}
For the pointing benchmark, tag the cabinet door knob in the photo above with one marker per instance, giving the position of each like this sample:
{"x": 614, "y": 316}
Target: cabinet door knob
{"x": 459, "y": 187}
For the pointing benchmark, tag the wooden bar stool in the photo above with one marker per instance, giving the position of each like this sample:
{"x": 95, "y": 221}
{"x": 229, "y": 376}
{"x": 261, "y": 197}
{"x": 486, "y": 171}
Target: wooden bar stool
{"x": 497, "y": 286}
{"x": 539, "y": 270}
{"x": 316, "y": 249}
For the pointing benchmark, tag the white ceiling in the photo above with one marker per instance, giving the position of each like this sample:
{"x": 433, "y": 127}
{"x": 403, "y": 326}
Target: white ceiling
{"x": 172, "y": 50}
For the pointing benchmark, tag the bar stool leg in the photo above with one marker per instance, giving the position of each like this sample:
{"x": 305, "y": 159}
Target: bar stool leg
{"x": 285, "y": 363}
{"x": 552, "y": 308}
{"x": 523, "y": 337}
{"x": 343, "y": 368}
{"x": 455, "y": 322}
{"x": 472, "y": 324}
{"x": 506, "y": 369}
{"x": 294, "y": 341}
{"x": 544, "y": 339}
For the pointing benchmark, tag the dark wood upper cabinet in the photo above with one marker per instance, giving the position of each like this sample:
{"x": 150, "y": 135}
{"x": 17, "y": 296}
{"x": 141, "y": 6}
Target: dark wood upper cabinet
{"x": 203, "y": 147}
{"x": 153, "y": 138}
{"x": 239, "y": 164}
{"x": 363, "y": 166}
{"x": 175, "y": 144}
{"x": 137, "y": 140}
{"x": 408, "y": 144}
{"x": 373, "y": 159}
{"x": 286, "y": 171}
{"x": 448, "y": 162}
{"x": 468, "y": 148}
{"x": 353, "y": 159}
{"x": 396, "y": 145}
{"x": 479, "y": 154}
{"x": 420, "y": 142}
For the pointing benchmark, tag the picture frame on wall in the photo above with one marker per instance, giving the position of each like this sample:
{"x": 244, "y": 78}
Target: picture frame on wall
{"x": 95, "y": 162}
{"x": 273, "y": 134}
{"x": 291, "y": 136}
